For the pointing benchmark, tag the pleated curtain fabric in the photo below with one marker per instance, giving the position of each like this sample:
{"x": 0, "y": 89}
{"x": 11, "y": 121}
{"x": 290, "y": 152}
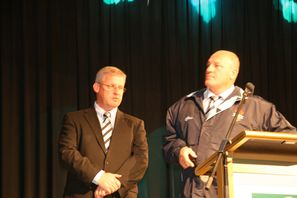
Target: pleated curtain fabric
{"x": 107, "y": 129}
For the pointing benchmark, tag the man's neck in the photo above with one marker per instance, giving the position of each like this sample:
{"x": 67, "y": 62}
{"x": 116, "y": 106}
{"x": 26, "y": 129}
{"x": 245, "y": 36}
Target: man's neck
{"x": 223, "y": 92}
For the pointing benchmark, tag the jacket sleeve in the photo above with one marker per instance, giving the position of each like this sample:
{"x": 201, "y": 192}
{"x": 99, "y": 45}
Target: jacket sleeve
{"x": 172, "y": 139}
{"x": 275, "y": 121}
{"x": 69, "y": 155}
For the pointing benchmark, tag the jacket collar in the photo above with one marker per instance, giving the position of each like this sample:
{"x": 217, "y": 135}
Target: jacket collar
{"x": 234, "y": 97}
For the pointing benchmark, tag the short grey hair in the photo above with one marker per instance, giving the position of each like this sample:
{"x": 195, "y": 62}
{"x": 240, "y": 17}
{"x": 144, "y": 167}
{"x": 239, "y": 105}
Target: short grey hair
{"x": 109, "y": 70}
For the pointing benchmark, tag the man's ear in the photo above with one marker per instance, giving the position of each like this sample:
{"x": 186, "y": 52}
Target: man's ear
{"x": 234, "y": 73}
{"x": 96, "y": 87}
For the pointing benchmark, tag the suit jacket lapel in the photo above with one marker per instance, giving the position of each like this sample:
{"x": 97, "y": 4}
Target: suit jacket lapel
{"x": 92, "y": 119}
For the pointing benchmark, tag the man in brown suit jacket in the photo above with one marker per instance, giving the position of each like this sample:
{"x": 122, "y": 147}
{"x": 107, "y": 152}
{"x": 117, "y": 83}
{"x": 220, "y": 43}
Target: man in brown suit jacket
{"x": 103, "y": 162}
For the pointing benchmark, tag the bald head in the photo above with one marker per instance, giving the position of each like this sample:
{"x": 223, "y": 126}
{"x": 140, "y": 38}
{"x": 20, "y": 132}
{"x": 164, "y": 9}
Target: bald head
{"x": 229, "y": 56}
{"x": 221, "y": 71}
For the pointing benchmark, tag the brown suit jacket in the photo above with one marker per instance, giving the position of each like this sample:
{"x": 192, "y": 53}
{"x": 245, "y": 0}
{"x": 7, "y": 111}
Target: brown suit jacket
{"x": 83, "y": 154}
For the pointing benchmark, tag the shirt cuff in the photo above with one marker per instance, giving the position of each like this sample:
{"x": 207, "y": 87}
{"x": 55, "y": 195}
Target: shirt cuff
{"x": 98, "y": 177}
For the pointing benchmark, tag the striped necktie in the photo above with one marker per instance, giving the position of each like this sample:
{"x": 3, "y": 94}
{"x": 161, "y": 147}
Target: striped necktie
{"x": 106, "y": 129}
{"x": 212, "y": 106}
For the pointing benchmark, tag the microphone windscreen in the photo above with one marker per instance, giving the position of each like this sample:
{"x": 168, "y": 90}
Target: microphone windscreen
{"x": 249, "y": 87}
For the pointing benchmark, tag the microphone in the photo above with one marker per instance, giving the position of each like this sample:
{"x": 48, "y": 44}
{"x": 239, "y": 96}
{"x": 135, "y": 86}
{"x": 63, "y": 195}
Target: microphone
{"x": 249, "y": 89}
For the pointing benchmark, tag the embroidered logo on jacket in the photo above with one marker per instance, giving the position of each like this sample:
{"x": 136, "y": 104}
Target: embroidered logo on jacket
{"x": 240, "y": 115}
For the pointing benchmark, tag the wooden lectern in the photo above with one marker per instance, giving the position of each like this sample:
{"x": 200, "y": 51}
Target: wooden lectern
{"x": 258, "y": 164}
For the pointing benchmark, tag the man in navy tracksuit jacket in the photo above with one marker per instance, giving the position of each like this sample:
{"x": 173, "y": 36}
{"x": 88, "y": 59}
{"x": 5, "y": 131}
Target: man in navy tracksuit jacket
{"x": 194, "y": 134}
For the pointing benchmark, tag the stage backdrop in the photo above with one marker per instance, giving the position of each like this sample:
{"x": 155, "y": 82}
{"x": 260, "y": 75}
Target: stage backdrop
{"x": 51, "y": 50}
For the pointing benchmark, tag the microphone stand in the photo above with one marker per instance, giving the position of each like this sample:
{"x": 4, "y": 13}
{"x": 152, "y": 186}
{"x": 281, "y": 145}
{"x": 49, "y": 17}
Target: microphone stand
{"x": 221, "y": 152}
